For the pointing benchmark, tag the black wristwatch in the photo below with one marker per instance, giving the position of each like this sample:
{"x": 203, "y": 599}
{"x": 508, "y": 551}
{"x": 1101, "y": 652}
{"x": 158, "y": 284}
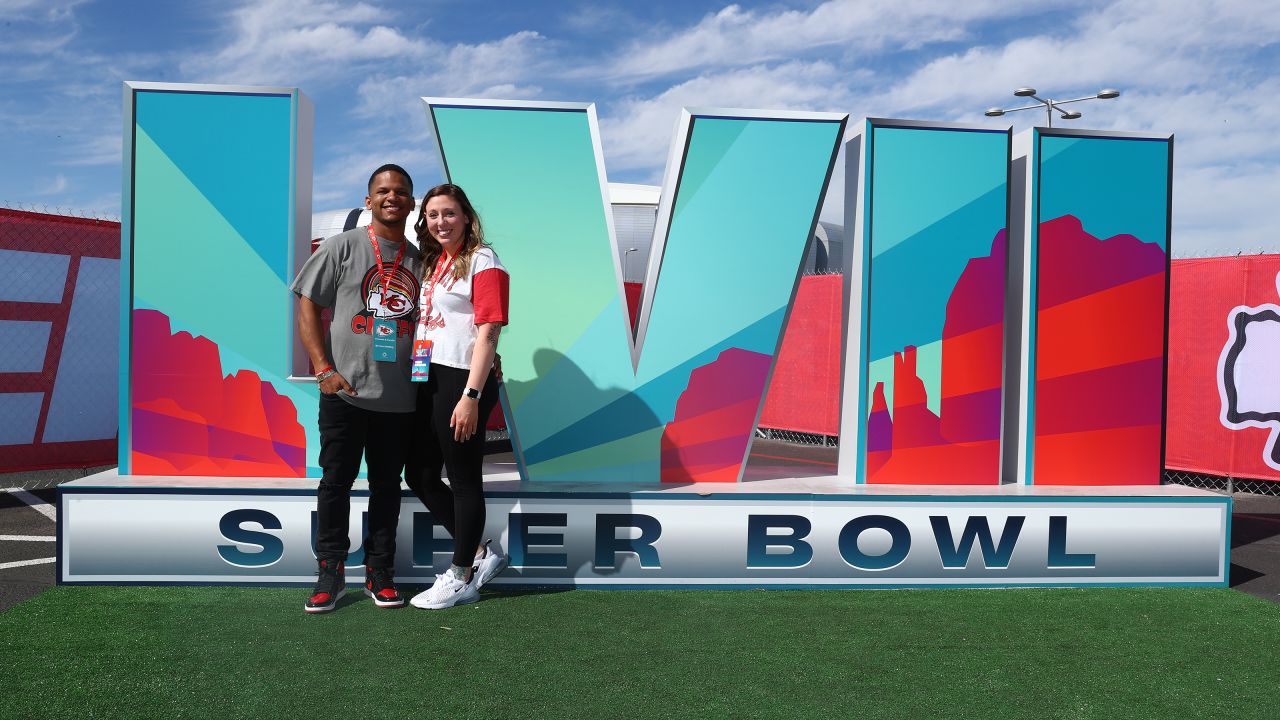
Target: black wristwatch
{"x": 472, "y": 393}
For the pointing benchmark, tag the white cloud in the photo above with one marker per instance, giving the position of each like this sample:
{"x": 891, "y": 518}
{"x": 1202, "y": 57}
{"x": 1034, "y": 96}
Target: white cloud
{"x": 1194, "y": 73}
{"x": 735, "y": 36}
{"x": 100, "y": 149}
{"x": 288, "y": 42}
{"x": 32, "y": 30}
{"x": 591, "y": 17}
{"x": 637, "y": 132}
{"x": 55, "y": 186}
{"x": 341, "y": 180}
{"x": 1124, "y": 42}
{"x": 391, "y": 115}
{"x": 52, "y": 10}
{"x": 499, "y": 69}
{"x": 1206, "y": 71}
{"x": 1224, "y": 210}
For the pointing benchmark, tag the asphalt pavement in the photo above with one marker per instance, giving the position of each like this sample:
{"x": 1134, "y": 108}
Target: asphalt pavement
{"x": 1255, "y": 545}
{"x": 19, "y": 580}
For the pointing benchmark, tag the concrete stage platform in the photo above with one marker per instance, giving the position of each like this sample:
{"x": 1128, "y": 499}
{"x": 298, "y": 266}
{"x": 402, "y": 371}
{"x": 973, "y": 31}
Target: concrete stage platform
{"x": 790, "y": 523}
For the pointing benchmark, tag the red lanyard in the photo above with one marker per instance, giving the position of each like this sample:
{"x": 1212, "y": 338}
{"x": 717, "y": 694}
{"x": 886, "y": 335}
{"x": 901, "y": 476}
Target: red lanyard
{"x": 429, "y": 290}
{"x": 385, "y": 274}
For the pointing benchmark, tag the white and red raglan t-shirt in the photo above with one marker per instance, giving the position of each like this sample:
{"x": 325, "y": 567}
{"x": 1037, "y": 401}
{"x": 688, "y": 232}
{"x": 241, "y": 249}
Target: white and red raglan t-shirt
{"x": 451, "y": 309}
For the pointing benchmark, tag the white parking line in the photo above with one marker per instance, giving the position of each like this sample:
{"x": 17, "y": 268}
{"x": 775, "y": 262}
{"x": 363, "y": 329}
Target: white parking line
{"x": 24, "y": 563}
{"x": 36, "y": 503}
{"x": 29, "y": 538}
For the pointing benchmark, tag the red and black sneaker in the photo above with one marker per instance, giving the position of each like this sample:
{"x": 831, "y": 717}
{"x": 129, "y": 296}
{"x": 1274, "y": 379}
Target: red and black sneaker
{"x": 379, "y": 585}
{"x": 331, "y": 585}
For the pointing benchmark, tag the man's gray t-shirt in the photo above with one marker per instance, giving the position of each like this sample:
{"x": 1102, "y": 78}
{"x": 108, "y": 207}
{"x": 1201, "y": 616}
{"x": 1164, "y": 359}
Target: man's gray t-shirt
{"x": 343, "y": 274}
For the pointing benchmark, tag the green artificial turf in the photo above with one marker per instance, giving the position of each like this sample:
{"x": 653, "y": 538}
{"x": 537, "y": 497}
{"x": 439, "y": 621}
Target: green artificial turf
{"x": 251, "y": 652}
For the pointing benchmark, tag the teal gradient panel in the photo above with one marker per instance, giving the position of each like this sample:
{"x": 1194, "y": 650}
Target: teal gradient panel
{"x": 937, "y": 210}
{"x": 939, "y": 197}
{"x": 1113, "y": 185}
{"x": 1099, "y": 252}
{"x": 738, "y": 233}
{"x": 631, "y": 414}
{"x": 533, "y": 178}
{"x": 235, "y": 149}
{"x": 210, "y": 232}
{"x": 747, "y": 196}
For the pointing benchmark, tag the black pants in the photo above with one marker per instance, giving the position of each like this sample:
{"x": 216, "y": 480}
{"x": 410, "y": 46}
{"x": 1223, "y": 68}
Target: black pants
{"x": 458, "y": 506}
{"x": 346, "y": 433}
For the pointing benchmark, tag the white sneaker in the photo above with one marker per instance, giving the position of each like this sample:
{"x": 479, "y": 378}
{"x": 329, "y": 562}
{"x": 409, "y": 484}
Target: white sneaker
{"x": 487, "y": 565}
{"x": 446, "y": 592}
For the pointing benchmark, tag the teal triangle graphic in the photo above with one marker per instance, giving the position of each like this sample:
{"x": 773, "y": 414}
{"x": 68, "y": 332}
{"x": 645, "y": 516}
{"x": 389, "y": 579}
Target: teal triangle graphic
{"x": 236, "y": 150}
{"x": 205, "y": 278}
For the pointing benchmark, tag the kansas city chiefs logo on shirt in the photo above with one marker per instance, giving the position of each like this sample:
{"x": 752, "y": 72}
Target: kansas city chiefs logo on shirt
{"x": 399, "y": 297}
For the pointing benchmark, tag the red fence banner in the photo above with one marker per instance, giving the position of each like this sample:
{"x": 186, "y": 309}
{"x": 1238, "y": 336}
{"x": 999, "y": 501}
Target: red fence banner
{"x": 1224, "y": 367}
{"x": 804, "y": 394}
{"x": 59, "y": 335}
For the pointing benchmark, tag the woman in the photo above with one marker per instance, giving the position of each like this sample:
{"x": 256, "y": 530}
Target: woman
{"x": 463, "y": 307}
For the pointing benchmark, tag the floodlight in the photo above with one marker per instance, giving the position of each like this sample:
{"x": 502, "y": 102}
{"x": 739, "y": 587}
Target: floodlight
{"x": 1050, "y": 105}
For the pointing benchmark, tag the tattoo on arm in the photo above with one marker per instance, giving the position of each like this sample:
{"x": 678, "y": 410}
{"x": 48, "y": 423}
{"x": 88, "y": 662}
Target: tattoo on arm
{"x": 492, "y": 335}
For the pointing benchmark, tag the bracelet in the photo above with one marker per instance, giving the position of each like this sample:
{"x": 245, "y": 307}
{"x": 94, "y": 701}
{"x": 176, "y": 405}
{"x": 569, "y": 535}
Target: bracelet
{"x": 325, "y": 374}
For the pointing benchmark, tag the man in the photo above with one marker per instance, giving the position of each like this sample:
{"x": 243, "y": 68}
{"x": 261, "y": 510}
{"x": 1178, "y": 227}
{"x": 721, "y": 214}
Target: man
{"x": 369, "y": 276}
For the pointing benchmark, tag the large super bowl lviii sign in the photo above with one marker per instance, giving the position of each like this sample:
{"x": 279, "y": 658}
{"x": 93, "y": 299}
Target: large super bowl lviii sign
{"x": 1005, "y": 311}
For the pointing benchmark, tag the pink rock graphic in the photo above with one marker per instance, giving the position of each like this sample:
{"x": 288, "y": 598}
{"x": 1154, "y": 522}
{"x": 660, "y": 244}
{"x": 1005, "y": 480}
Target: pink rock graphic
{"x": 190, "y": 419}
{"x": 961, "y": 445}
{"x": 707, "y": 441}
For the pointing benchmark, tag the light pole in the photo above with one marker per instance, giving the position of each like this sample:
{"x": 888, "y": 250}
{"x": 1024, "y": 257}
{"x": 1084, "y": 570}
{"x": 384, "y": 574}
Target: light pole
{"x": 1051, "y": 105}
{"x": 626, "y": 256}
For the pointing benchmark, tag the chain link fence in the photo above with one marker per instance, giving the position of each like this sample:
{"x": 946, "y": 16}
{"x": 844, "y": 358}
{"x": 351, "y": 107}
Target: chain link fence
{"x": 59, "y": 300}
{"x": 797, "y": 437}
{"x": 1222, "y": 483}
{"x": 1217, "y": 483}
{"x": 103, "y": 215}
{"x": 1205, "y": 254}
{"x": 47, "y": 479}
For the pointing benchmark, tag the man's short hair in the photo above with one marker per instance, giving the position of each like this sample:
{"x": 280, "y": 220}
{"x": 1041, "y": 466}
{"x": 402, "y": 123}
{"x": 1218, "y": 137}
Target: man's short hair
{"x": 391, "y": 167}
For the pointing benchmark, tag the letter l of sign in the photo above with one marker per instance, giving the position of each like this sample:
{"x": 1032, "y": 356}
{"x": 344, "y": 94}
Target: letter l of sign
{"x": 587, "y": 400}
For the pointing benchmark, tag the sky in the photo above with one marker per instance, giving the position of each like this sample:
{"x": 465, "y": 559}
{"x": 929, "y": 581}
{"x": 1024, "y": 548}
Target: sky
{"x": 1208, "y": 72}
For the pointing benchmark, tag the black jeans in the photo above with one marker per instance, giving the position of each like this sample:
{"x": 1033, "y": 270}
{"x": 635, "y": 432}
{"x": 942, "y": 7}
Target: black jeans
{"x": 458, "y": 506}
{"x": 346, "y": 433}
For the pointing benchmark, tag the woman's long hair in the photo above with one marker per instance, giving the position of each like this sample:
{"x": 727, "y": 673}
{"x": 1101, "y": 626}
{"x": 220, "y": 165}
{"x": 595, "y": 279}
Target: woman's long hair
{"x": 472, "y": 237}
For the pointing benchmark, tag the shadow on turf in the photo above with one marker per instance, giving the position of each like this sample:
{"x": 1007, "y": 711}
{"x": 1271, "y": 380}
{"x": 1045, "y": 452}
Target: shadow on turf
{"x": 495, "y": 592}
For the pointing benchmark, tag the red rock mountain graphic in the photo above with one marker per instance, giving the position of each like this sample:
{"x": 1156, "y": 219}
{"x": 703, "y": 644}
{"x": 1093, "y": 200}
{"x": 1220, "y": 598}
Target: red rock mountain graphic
{"x": 961, "y": 445}
{"x": 190, "y": 419}
{"x": 707, "y": 440}
{"x": 1099, "y": 358}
